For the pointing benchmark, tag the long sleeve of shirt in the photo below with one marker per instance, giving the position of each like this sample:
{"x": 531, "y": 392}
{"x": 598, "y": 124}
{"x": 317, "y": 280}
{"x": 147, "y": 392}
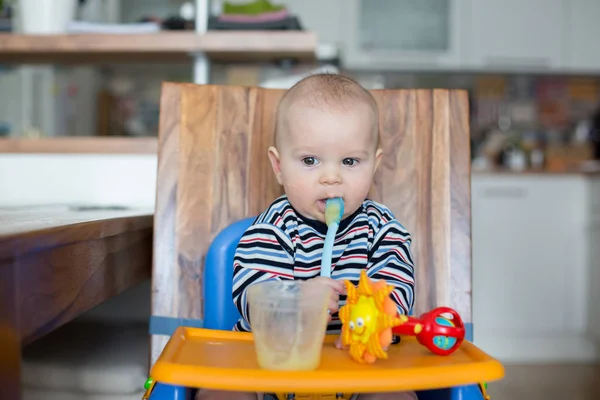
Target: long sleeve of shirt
{"x": 263, "y": 253}
{"x": 283, "y": 245}
{"x": 391, "y": 259}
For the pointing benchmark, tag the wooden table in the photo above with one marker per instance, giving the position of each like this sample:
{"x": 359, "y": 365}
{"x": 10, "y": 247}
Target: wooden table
{"x": 58, "y": 262}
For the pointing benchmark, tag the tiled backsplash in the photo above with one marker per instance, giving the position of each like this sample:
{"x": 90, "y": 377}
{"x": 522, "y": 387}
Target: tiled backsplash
{"x": 531, "y": 101}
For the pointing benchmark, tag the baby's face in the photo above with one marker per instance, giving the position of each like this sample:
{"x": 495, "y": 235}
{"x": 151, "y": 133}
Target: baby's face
{"x": 325, "y": 153}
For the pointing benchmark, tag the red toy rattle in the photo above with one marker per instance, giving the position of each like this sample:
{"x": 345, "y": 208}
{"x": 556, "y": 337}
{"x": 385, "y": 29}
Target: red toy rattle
{"x": 441, "y": 335}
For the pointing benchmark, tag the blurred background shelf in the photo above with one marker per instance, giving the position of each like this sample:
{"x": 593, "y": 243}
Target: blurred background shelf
{"x": 240, "y": 46}
{"x": 81, "y": 145}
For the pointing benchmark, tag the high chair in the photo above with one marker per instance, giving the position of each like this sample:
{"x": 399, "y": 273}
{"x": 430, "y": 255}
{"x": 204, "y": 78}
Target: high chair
{"x": 214, "y": 177}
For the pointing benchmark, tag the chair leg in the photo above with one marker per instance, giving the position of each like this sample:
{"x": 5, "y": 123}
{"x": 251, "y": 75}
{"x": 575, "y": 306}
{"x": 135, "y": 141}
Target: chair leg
{"x": 470, "y": 392}
{"x": 162, "y": 391}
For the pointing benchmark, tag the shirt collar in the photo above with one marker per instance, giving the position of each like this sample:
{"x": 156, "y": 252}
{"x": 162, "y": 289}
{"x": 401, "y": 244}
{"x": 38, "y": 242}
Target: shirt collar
{"x": 321, "y": 227}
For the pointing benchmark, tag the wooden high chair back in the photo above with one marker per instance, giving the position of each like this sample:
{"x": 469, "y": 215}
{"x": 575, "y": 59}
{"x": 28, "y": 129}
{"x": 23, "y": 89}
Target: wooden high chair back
{"x": 213, "y": 170}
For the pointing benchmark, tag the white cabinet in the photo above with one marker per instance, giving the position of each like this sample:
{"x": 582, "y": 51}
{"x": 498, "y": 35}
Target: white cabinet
{"x": 592, "y": 256}
{"x": 582, "y": 50}
{"x": 476, "y": 35}
{"x": 522, "y": 35}
{"x": 593, "y": 286}
{"x": 322, "y": 17}
{"x": 533, "y": 257}
{"x": 404, "y": 34}
{"x": 522, "y": 242}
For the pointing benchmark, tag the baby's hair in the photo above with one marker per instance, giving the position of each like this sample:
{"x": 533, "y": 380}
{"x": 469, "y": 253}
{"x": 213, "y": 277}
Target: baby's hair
{"x": 329, "y": 90}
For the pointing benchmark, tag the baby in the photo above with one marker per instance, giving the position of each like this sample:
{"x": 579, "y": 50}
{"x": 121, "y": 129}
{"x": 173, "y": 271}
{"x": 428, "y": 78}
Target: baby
{"x": 326, "y": 145}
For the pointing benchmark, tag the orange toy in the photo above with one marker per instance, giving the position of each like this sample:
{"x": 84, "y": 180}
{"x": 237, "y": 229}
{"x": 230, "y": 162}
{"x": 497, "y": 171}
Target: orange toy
{"x": 368, "y": 318}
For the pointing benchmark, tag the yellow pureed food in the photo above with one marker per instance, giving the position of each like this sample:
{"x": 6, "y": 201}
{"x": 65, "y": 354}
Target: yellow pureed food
{"x": 288, "y": 324}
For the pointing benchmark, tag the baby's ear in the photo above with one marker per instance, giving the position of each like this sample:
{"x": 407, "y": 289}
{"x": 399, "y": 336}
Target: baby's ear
{"x": 275, "y": 163}
{"x": 378, "y": 155}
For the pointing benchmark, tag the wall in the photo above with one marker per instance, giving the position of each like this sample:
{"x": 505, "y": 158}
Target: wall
{"x": 103, "y": 179}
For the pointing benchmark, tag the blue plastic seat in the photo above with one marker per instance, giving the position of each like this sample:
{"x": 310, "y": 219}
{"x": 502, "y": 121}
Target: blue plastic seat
{"x": 219, "y": 311}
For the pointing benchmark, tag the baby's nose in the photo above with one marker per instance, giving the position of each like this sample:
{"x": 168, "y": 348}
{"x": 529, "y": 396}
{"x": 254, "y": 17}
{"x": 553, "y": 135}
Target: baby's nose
{"x": 331, "y": 176}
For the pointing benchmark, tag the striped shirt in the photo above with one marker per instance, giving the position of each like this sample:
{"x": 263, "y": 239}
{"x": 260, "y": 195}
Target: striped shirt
{"x": 282, "y": 244}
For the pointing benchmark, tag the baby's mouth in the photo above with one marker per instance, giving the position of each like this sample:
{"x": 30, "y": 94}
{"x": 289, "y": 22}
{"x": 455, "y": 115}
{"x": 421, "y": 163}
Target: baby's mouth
{"x": 323, "y": 202}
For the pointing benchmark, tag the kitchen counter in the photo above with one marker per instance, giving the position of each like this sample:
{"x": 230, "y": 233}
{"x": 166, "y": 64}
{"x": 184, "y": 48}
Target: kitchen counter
{"x": 585, "y": 168}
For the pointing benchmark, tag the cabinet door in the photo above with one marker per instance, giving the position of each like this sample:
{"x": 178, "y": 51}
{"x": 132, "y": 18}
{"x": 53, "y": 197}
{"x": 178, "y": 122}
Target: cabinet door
{"x": 583, "y": 48}
{"x": 591, "y": 318}
{"x": 321, "y": 17}
{"x": 404, "y": 34}
{"x": 522, "y": 35}
{"x": 527, "y": 242}
{"x": 592, "y": 315}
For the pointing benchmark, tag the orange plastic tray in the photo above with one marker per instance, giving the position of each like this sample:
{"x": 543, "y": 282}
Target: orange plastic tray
{"x": 204, "y": 358}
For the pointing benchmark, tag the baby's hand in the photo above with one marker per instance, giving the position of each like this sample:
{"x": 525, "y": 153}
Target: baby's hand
{"x": 337, "y": 288}
{"x": 338, "y": 342}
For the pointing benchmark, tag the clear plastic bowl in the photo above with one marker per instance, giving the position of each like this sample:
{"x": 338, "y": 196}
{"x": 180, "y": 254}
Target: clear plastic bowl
{"x": 289, "y": 322}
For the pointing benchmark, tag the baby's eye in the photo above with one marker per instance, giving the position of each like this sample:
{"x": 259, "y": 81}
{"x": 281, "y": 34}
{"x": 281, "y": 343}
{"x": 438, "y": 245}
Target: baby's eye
{"x": 350, "y": 162}
{"x": 360, "y": 322}
{"x": 310, "y": 161}
{"x": 351, "y": 324}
